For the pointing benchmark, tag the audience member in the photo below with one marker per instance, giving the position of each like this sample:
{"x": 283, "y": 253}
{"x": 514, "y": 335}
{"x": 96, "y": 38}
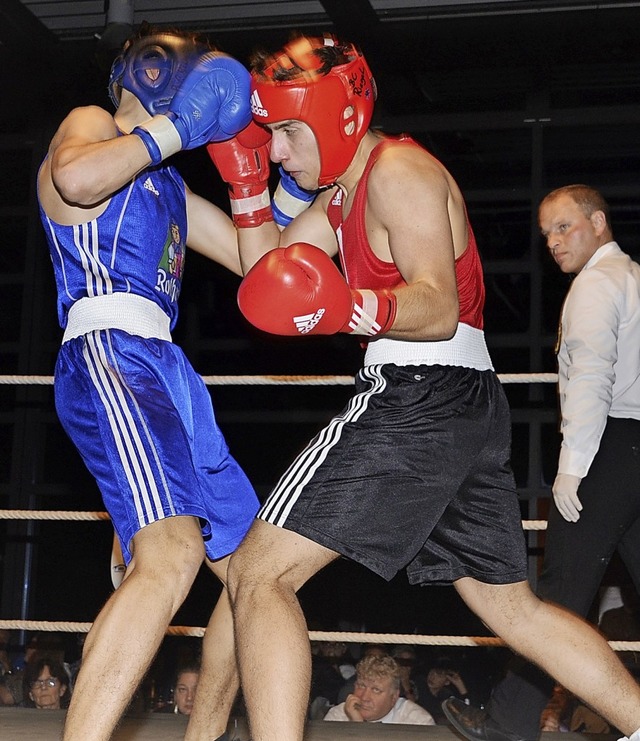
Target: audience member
{"x": 376, "y": 696}
{"x": 46, "y": 684}
{"x": 5, "y": 661}
{"x": 6, "y": 696}
{"x": 332, "y": 665}
{"x": 37, "y": 646}
{"x": 565, "y": 712}
{"x": 618, "y": 622}
{"x": 443, "y": 680}
{"x": 374, "y": 649}
{"x": 407, "y": 659}
{"x": 75, "y": 660}
{"x": 367, "y": 649}
{"x": 184, "y": 689}
{"x": 622, "y": 623}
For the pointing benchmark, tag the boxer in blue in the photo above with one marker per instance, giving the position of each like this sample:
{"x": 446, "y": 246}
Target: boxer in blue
{"x": 118, "y": 220}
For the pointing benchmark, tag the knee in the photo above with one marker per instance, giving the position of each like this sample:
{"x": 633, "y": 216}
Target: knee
{"x": 171, "y": 554}
{"x": 240, "y": 574}
{"x": 502, "y": 607}
{"x": 249, "y": 577}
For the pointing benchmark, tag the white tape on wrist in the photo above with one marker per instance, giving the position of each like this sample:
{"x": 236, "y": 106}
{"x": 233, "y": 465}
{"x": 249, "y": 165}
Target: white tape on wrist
{"x": 164, "y": 134}
{"x": 289, "y": 204}
{"x": 251, "y": 204}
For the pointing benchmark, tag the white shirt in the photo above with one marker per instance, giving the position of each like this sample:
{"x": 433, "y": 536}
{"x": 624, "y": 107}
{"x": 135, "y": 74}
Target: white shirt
{"x": 404, "y": 711}
{"x": 599, "y": 354}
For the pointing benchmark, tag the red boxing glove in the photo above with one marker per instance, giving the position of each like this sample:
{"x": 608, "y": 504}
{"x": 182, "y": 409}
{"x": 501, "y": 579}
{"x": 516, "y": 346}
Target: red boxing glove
{"x": 243, "y": 163}
{"x": 299, "y": 290}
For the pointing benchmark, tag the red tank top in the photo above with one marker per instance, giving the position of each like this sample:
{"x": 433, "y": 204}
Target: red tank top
{"x": 363, "y": 269}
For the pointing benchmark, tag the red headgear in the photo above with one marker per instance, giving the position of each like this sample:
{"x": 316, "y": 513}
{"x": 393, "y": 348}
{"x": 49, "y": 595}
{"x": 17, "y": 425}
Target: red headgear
{"x": 337, "y": 104}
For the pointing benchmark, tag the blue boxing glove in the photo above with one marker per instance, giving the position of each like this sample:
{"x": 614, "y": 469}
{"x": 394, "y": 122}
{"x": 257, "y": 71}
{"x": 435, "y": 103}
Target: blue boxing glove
{"x": 290, "y": 199}
{"x": 212, "y": 104}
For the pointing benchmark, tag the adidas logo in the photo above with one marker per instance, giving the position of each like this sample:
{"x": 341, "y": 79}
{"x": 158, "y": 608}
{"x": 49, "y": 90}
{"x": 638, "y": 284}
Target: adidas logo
{"x": 148, "y": 184}
{"x": 307, "y": 322}
{"x": 256, "y": 105}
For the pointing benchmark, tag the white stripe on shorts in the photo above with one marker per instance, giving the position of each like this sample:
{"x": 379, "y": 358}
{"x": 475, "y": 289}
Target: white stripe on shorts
{"x": 134, "y": 460}
{"x": 287, "y": 491}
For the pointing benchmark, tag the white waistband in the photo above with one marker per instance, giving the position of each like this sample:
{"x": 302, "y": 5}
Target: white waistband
{"x": 126, "y": 311}
{"x": 467, "y": 348}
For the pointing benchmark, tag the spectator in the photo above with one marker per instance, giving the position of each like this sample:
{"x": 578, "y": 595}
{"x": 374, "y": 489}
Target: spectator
{"x": 6, "y": 695}
{"x": 46, "y": 684}
{"x": 565, "y": 712}
{"x": 443, "y": 680}
{"x": 331, "y": 667}
{"x": 407, "y": 659}
{"x": 374, "y": 649}
{"x": 38, "y": 646}
{"x": 184, "y": 690}
{"x": 5, "y": 661}
{"x": 376, "y": 696}
{"x": 368, "y": 649}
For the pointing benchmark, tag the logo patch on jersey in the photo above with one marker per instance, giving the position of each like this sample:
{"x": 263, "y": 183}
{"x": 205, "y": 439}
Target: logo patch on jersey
{"x": 337, "y": 198}
{"x": 171, "y": 265}
{"x": 148, "y": 184}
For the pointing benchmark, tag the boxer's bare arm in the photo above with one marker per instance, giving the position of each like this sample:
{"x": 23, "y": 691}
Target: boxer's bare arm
{"x": 411, "y": 218}
{"x": 86, "y": 163}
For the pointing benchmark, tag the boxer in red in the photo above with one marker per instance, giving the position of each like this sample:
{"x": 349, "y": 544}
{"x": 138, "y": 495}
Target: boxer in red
{"x": 414, "y": 473}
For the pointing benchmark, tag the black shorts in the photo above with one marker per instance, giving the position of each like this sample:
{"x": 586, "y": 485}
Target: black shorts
{"x": 415, "y": 472}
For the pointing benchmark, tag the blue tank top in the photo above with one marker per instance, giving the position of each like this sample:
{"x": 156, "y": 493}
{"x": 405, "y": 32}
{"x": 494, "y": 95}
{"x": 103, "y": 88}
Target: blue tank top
{"x": 137, "y": 245}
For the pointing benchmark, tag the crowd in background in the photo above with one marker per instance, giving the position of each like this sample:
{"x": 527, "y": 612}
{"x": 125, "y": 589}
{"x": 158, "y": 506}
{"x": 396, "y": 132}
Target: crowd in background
{"x": 38, "y": 671}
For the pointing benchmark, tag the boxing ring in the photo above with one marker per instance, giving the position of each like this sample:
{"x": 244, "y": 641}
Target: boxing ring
{"x": 17, "y": 724}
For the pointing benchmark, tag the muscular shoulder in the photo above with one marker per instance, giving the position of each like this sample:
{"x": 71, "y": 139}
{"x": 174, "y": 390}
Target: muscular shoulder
{"x": 87, "y": 122}
{"x": 409, "y": 189}
{"x": 406, "y": 170}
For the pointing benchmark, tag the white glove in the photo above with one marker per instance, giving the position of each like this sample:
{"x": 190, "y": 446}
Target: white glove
{"x": 565, "y": 495}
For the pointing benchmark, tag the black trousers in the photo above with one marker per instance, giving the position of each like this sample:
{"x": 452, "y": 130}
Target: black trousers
{"x": 575, "y": 558}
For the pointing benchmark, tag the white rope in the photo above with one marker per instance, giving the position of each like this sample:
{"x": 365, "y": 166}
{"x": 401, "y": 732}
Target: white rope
{"x": 50, "y": 514}
{"x": 46, "y": 514}
{"x": 286, "y": 380}
{"x": 314, "y": 635}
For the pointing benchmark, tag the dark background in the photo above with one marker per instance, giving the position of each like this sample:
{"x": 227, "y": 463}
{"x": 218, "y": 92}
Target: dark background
{"x": 514, "y": 97}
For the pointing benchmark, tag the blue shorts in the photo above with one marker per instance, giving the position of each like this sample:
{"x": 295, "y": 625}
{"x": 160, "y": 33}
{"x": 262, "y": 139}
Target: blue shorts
{"x": 143, "y": 422}
{"x": 414, "y": 473}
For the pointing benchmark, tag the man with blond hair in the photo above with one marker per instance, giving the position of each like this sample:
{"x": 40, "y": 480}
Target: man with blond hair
{"x": 376, "y": 696}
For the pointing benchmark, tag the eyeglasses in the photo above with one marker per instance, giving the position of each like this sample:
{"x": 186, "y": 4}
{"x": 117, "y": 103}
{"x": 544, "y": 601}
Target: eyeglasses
{"x": 40, "y": 684}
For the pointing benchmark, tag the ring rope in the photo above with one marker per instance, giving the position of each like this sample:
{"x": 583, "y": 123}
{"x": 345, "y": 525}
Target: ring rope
{"x": 314, "y": 635}
{"x": 287, "y": 380}
{"x": 46, "y": 514}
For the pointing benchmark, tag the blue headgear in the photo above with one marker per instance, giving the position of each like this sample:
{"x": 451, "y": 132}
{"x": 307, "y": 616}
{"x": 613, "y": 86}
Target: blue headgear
{"x": 152, "y": 68}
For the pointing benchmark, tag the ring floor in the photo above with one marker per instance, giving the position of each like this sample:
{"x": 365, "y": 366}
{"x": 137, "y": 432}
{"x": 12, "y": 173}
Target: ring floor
{"x": 24, "y": 724}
